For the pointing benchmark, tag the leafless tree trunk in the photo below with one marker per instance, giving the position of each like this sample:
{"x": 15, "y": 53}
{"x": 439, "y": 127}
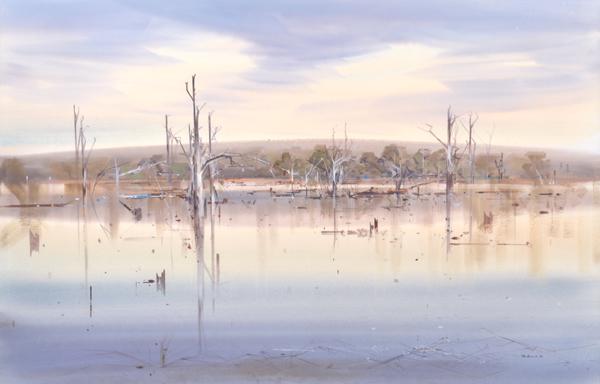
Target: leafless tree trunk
{"x": 75, "y": 131}
{"x": 338, "y": 156}
{"x": 197, "y": 193}
{"x": 84, "y": 155}
{"x": 190, "y": 139}
{"x": 290, "y": 172}
{"x": 398, "y": 173}
{"x": 451, "y": 150}
{"x": 200, "y": 158}
{"x": 307, "y": 174}
{"x": 197, "y": 200}
{"x": 211, "y": 168}
{"x": 169, "y": 149}
{"x": 451, "y": 118}
{"x": 472, "y": 146}
{"x": 500, "y": 166}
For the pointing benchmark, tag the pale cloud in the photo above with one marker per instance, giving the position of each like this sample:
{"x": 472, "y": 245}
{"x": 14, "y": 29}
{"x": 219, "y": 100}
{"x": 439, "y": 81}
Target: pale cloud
{"x": 218, "y": 62}
{"x": 274, "y": 69}
{"x": 524, "y": 63}
{"x": 396, "y": 69}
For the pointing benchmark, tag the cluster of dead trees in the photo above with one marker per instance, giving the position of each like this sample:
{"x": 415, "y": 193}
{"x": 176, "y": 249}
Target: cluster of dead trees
{"x": 328, "y": 164}
{"x": 458, "y": 158}
{"x": 452, "y": 161}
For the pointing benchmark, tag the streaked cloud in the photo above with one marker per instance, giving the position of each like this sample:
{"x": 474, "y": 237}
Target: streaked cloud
{"x": 278, "y": 69}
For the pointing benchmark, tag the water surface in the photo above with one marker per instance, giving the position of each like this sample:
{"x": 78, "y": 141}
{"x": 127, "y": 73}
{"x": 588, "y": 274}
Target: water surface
{"x": 291, "y": 289}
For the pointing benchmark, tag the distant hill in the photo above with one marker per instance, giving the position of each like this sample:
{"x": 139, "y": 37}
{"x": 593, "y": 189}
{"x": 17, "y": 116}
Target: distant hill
{"x": 302, "y": 145}
{"x": 50, "y": 164}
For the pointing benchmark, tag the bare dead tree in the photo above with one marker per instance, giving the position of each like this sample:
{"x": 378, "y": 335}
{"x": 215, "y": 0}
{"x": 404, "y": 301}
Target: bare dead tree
{"x": 211, "y": 167}
{"x": 339, "y": 155}
{"x": 309, "y": 170}
{"x": 472, "y": 145}
{"x": 143, "y": 166}
{"x": 196, "y": 189}
{"x": 500, "y": 166}
{"x": 292, "y": 172}
{"x": 190, "y": 139}
{"x": 188, "y": 155}
{"x": 452, "y": 157}
{"x": 288, "y": 165}
{"x": 169, "y": 141}
{"x": 398, "y": 173}
{"x": 84, "y": 155}
{"x": 394, "y": 161}
{"x": 76, "y": 133}
{"x": 200, "y": 157}
{"x": 450, "y": 148}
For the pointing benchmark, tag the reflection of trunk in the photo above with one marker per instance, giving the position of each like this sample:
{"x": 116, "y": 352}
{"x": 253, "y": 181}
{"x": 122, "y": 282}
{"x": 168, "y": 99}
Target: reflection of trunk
{"x": 85, "y": 244}
{"x": 334, "y": 222}
{"x": 449, "y": 184}
{"x": 448, "y": 222}
{"x": 212, "y": 253}
{"x": 83, "y": 183}
{"x": 34, "y": 241}
{"x": 399, "y": 179}
{"x": 198, "y": 223}
{"x": 448, "y": 209}
{"x": 292, "y": 180}
{"x": 114, "y": 218}
{"x": 470, "y": 216}
{"x": 334, "y": 189}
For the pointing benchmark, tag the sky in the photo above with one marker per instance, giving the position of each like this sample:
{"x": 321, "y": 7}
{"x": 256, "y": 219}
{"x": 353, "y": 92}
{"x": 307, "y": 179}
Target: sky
{"x": 272, "y": 69}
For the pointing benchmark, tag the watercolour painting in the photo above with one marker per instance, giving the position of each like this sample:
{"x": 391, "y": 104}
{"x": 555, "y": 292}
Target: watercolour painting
{"x": 328, "y": 191}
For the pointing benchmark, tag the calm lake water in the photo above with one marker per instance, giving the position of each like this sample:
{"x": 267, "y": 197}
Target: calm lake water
{"x": 292, "y": 290}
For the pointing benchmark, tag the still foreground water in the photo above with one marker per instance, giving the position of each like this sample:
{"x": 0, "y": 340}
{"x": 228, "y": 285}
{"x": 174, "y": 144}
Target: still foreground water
{"x": 292, "y": 290}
